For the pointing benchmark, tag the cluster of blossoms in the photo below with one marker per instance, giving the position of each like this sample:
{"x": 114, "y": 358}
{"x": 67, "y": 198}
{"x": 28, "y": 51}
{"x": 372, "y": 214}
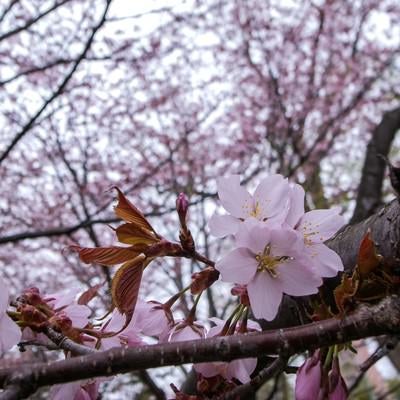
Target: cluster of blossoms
{"x": 279, "y": 247}
{"x": 279, "y": 250}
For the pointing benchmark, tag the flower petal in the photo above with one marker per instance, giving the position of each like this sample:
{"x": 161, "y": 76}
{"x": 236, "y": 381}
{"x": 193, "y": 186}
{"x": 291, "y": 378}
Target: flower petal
{"x": 296, "y": 205}
{"x": 206, "y": 369}
{"x": 327, "y": 262}
{"x": 286, "y": 242}
{"x": 3, "y": 296}
{"x": 238, "y": 266}
{"x": 65, "y": 391}
{"x": 271, "y": 196}
{"x": 223, "y": 225}
{"x": 253, "y": 235}
{"x": 319, "y": 225}
{"x": 297, "y": 279}
{"x": 241, "y": 369}
{"x": 234, "y": 198}
{"x": 188, "y": 332}
{"x": 10, "y": 333}
{"x": 78, "y": 315}
{"x": 265, "y": 294}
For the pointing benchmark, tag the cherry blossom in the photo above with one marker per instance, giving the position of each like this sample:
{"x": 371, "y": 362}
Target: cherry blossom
{"x": 268, "y": 204}
{"x": 75, "y": 391}
{"x": 315, "y": 227}
{"x": 129, "y": 336}
{"x": 270, "y": 261}
{"x": 153, "y": 318}
{"x": 186, "y": 330}
{"x": 239, "y": 369}
{"x": 10, "y": 334}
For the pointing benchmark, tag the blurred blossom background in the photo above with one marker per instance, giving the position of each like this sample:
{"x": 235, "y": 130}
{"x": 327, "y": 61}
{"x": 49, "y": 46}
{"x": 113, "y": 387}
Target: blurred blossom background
{"x": 163, "y": 97}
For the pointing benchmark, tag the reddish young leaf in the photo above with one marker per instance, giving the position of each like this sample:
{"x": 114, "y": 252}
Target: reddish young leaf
{"x": 368, "y": 259}
{"x": 129, "y": 213}
{"x": 126, "y": 283}
{"x": 106, "y": 255}
{"x": 134, "y": 234}
{"x": 89, "y": 294}
{"x": 345, "y": 292}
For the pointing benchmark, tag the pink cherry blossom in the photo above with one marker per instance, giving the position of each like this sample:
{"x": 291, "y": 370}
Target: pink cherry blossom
{"x": 269, "y": 203}
{"x": 153, "y": 318}
{"x": 337, "y": 385}
{"x": 239, "y": 369}
{"x": 308, "y": 378}
{"x": 129, "y": 337}
{"x": 75, "y": 391}
{"x": 270, "y": 261}
{"x": 315, "y": 227}
{"x": 186, "y": 330}
{"x": 10, "y": 333}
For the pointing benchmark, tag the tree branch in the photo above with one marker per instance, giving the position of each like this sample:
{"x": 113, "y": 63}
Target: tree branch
{"x": 32, "y": 21}
{"x": 60, "y": 88}
{"x": 383, "y": 318}
{"x": 369, "y": 195}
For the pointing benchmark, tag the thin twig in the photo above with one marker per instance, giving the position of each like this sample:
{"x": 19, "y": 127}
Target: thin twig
{"x": 60, "y": 88}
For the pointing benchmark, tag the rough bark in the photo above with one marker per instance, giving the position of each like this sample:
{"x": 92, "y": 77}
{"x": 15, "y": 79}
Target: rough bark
{"x": 369, "y": 196}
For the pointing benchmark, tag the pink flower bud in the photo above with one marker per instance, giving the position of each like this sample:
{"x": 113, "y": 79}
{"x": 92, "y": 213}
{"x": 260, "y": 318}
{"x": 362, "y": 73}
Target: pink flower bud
{"x": 337, "y": 385}
{"x": 182, "y": 205}
{"x": 308, "y": 378}
{"x": 241, "y": 291}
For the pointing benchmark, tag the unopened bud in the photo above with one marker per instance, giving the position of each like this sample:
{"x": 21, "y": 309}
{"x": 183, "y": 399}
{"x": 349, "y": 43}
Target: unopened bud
{"x": 203, "y": 279}
{"x": 241, "y": 291}
{"x": 61, "y": 322}
{"x": 337, "y": 386}
{"x": 31, "y": 316}
{"x": 31, "y": 296}
{"x": 182, "y": 206}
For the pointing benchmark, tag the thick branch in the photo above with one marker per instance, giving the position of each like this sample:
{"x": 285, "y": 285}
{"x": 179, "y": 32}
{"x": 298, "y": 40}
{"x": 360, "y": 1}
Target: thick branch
{"x": 369, "y": 194}
{"x": 385, "y": 230}
{"x": 383, "y": 318}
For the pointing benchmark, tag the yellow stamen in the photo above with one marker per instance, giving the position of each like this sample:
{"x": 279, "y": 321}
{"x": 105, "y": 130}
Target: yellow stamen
{"x": 269, "y": 263}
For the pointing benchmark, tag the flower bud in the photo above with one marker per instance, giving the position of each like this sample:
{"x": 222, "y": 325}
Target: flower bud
{"x": 182, "y": 206}
{"x": 337, "y": 385}
{"x": 203, "y": 279}
{"x": 31, "y": 296}
{"x": 241, "y": 291}
{"x": 61, "y": 322}
{"x": 308, "y": 378}
{"x": 31, "y": 316}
